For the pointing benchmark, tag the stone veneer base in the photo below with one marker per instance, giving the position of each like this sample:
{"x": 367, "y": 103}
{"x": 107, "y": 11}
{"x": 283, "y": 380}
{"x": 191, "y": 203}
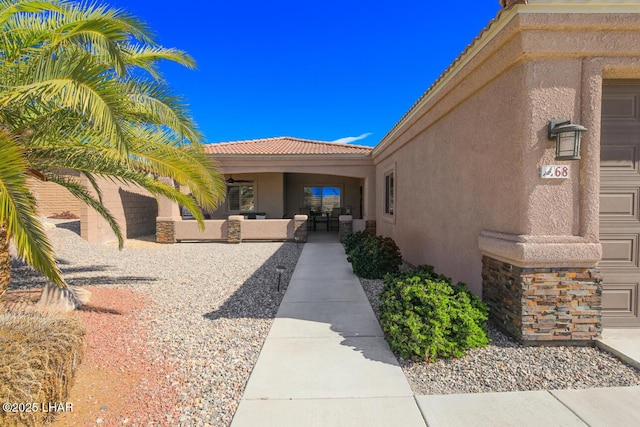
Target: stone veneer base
{"x": 543, "y": 305}
{"x": 165, "y": 232}
{"x": 234, "y": 231}
{"x": 300, "y": 230}
{"x": 345, "y": 228}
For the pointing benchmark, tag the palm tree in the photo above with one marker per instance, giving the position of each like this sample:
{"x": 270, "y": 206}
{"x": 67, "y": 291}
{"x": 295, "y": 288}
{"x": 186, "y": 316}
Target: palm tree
{"x": 80, "y": 90}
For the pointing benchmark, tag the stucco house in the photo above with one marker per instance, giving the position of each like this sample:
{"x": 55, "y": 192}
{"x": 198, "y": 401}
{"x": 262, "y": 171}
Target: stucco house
{"x": 465, "y": 180}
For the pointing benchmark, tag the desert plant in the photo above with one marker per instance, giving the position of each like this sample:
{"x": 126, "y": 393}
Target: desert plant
{"x": 424, "y": 316}
{"x": 354, "y": 239}
{"x": 375, "y": 256}
{"x": 40, "y": 354}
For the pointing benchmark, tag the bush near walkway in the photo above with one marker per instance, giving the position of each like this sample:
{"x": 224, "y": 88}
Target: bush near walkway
{"x": 39, "y": 356}
{"x": 352, "y": 240}
{"x": 372, "y": 256}
{"x": 424, "y": 316}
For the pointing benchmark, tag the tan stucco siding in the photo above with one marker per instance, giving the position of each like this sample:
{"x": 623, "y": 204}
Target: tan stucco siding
{"x": 457, "y": 176}
{"x": 189, "y": 230}
{"x": 468, "y": 156}
{"x": 359, "y": 167}
{"x": 134, "y": 209}
{"x": 268, "y": 195}
{"x": 271, "y": 229}
{"x": 53, "y": 198}
{"x": 552, "y": 90}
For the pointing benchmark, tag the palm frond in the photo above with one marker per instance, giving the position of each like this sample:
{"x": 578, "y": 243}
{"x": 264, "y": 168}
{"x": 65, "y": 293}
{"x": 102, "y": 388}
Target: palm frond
{"x": 18, "y": 212}
{"x": 79, "y": 84}
{"x": 8, "y": 9}
{"x": 94, "y": 185}
{"x": 155, "y": 104}
{"x": 146, "y": 56}
{"x": 203, "y": 182}
{"x": 80, "y": 192}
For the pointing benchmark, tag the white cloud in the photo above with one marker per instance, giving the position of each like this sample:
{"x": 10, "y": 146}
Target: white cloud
{"x": 350, "y": 139}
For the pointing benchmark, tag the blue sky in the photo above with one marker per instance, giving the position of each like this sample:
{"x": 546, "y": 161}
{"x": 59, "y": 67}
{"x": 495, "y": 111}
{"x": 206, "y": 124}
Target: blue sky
{"x": 322, "y": 70}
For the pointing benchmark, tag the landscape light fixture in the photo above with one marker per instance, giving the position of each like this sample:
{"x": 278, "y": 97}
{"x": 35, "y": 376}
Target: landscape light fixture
{"x": 280, "y": 270}
{"x": 567, "y": 136}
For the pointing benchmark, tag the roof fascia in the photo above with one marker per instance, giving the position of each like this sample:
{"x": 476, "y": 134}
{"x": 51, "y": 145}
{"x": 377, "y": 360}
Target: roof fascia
{"x": 298, "y": 157}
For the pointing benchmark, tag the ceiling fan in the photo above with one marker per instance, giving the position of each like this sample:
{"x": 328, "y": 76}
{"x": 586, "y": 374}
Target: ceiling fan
{"x": 230, "y": 180}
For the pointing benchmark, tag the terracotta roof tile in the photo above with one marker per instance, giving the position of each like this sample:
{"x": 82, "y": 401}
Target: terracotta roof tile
{"x": 284, "y": 145}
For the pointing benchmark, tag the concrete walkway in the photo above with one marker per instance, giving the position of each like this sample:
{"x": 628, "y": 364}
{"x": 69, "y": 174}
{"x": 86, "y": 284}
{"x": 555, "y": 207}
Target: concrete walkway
{"x": 325, "y": 363}
{"x": 624, "y": 343}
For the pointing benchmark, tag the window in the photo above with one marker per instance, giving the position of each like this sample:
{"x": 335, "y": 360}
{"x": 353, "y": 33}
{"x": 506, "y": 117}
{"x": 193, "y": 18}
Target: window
{"x": 321, "y": 199}
{"x": 389, "y": 191}
{"x": 240, "y": 198}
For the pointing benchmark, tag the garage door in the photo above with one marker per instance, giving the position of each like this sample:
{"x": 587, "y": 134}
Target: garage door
{"x": 620, "y": 203}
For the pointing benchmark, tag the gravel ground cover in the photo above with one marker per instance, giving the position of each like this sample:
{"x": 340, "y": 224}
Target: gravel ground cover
{"x": 505, "y": 365}
{"x": 211, "y": 306}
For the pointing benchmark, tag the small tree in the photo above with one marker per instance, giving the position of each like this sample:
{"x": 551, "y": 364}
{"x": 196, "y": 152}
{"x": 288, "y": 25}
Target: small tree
{"x": 80, "y": 90}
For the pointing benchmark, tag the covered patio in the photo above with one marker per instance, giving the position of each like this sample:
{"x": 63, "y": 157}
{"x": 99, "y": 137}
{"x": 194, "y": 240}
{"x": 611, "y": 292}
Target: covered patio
{"x": 276, "y": 186}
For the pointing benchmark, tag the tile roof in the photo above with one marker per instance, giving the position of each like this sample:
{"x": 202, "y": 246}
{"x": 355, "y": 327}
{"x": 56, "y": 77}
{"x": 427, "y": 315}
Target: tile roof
{"x": 284, "y": 145}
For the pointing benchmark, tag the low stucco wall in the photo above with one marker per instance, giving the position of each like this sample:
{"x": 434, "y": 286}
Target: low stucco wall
{"x": 258, "y": 229}
{"x": 267, "y": 229}
{"x": 215, "y": 229}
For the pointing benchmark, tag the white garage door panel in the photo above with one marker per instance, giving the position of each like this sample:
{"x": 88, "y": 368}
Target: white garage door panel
{"x": 622, "y": 300}
{"x": 619, "y": 250}
{"x": 620, "y": 203}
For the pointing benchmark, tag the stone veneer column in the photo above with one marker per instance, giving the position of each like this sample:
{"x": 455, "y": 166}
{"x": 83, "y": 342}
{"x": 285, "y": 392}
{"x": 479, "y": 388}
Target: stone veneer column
{"x": 234, "y": 229}
{"x": 345, "y": 226}
{"x": 542, "y": 305}
{"x": 370, "y": 226}
{"x": 542, "y": 289}
{"x": 165, "y": 232}
{"x": 168, "y": 214}
{"x": 300, "y": 228}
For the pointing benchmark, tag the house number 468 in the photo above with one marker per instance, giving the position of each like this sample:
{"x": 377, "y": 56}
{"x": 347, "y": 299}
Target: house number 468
{"x": 555, "y": 171}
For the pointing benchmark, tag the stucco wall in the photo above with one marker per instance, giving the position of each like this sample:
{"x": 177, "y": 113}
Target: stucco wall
{"x": 53, "y": 198}
{"x": 456, "y": 177}
{"x": 134, "y": 209}
{"x": 259, "y": 229}
{"x": 267, "y": 229}
{"x": 268, "y": 192}
{"x": 467, "y": 158}
{"x": 188, "y": 230}
{"x": 358, "y": 167}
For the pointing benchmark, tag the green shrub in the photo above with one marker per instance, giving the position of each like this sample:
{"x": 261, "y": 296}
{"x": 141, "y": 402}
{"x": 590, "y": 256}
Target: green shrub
{"x": 39, "y": 356}
{"x": 375, "y": 256}
{"x": 354, "y": 239}
{"x": 423, "y": 315}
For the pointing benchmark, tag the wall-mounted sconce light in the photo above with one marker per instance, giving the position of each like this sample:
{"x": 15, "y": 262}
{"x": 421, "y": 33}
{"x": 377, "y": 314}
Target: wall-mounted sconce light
{"x": 567, "y": 136}
{"x": 280, "y": 270}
